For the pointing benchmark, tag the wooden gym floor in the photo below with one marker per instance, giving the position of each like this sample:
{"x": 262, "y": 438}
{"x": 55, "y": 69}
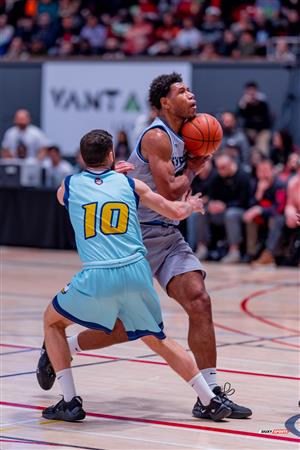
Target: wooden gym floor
{"x": 133, "y": 400}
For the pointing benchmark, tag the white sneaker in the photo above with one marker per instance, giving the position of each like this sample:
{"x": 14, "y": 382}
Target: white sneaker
{"x": 231, "y": 257}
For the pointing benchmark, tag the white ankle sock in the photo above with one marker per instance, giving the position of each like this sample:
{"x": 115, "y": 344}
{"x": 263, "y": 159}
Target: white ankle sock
{"x": 66, "y": 382}
{"x": 210, "y": 376}
{"x": 204, "y": 393}
{"x": 73, "y": 344}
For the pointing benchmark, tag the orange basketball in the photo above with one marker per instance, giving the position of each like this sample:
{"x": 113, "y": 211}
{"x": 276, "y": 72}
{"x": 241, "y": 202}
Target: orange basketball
{"x": 202, "y": 135}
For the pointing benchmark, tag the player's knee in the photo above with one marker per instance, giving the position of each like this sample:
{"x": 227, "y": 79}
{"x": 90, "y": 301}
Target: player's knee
{"x": 199, "y": 306}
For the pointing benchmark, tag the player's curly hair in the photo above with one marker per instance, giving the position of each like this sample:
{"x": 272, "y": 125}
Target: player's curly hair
{"x": 160, "y": 87}
{"x": 95, "y": 147}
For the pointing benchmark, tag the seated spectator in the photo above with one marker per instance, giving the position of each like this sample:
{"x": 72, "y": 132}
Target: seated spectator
{"x": 17, "y": 49}
{"x": 202, "y": 183}
{"x": 282, "y": 52}
{"x": 188, "y": 39}
{"x": 122, "y": 150}
{"x": 265, "y": 213}
{"x": 47, "y": 31}
{"x": 228, "y": 44}
{"x": 50, "y": 7}
{"x": 253, "y": 109}
{"x": 212, "y": 26}
{"x": 6, "y": 34}
{"x": 68, "y": 8}
{"x": 246, "y": 46}
{"x": 229, "y": 196}
{"x": 209, "y": 53}
{"x": 234, "y": 137}
{"x": 168, "y": 30}
{"x": 56, "y": 167}
{"x": 94, "y": 33}
{"x": 138, "y": 36}
{"x": 282, "y": 147}
{"x": 24, "y": 132}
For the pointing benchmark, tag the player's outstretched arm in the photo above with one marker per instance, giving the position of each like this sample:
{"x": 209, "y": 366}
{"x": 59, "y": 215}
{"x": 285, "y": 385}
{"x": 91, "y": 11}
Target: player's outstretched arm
{"x": 177, "y": 210}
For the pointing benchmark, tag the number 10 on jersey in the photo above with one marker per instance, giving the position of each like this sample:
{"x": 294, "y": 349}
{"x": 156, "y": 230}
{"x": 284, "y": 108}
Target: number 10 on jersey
{"x": 113, "y": 218}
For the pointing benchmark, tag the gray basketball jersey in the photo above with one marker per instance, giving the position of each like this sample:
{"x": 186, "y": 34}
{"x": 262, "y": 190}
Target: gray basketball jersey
{"x": 142, "y": 169}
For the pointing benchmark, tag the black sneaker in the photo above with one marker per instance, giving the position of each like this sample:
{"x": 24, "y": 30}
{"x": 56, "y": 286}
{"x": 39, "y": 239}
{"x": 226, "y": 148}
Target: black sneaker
{"x": 238, "y": 411}
{"x": 45, "y": 373}
{"x": 68, "y": 411}
{"x": 216, "y": 410}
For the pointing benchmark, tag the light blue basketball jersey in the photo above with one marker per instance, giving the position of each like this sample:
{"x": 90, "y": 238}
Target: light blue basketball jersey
{"x": 103, "y": 213}
{"x": 142, "y": 170}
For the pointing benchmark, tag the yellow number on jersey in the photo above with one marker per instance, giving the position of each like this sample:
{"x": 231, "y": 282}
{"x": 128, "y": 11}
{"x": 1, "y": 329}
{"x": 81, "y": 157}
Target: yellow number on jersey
{"x": 90, "y": 220}
{"x": 114, "y": 218}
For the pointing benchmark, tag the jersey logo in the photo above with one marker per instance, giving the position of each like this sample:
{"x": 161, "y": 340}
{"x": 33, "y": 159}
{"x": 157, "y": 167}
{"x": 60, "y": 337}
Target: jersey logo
{"x": 98, "y": 181}
{"x": 65, "y": 289}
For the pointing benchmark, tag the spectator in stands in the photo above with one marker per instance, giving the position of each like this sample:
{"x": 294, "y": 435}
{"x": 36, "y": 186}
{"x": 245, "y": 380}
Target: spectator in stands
{"x": 25, "y": 29}
{"x": 6, "y": 34}
{"x": 50, "y": 7}
{"x": 212, "y": 26}
{"x": 68, "y": 8}
{"x": 56, "y": 167}
{"x": 47, "y": 31}
{"x": 202, "y": 183}
{"x": 229, "y": 196}
{"x": 234, "y": 136}
{"x": 17, "y": 49}
{"x": 188, "y": 39}
{"x": 265, "y": 214}
{"x": 122, "y": 150}
{"x": 228, "y": 44}
{"x": 246, "y": 46}
{"x": 24, "y": 132}
{"x": 282, "y": 147}
{"x": 138, "y": 37}
{"x": 282, "y": 52}
{"x": 254, "y": 111}
{"x": 209, "y": 52}
{"x": 94, "y": 33}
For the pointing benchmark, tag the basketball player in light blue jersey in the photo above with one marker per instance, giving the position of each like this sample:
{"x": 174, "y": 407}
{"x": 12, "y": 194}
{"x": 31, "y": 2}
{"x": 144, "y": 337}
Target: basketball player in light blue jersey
{"x": 115, "y": 283}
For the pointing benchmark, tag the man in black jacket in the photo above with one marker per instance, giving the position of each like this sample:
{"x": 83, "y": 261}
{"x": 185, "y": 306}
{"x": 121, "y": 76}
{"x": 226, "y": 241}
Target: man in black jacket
{"x": 229, "y": 194}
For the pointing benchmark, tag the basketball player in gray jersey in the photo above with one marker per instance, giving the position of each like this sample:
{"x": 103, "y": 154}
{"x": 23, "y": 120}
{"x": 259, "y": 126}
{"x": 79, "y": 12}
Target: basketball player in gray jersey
{"x": 160, "y": 161}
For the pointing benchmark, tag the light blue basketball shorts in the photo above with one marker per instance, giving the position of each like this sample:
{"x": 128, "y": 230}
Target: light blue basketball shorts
{"x": 97, "y": 297}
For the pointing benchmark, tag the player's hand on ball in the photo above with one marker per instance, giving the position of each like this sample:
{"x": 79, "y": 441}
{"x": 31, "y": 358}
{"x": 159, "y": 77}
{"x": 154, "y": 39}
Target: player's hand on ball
{"x": 123, "y": 167}
{"x": 197, "y": 163}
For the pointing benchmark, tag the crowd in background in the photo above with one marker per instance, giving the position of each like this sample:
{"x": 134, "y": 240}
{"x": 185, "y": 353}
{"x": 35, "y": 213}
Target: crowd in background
{"x": 114, "y": 29}
{"x": 251, "y": 188}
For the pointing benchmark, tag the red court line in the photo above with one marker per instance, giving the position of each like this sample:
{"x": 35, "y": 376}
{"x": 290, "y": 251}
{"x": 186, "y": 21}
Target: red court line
{"x": 167, "y": 424}
{"x": 244, "y": 307}
{"x": 259, "y": 338}
{"x": 161, "y": 363}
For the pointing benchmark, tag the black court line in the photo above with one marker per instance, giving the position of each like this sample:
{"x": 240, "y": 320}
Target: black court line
{"x": 18, "y": 351}
{"x": 73, "y": 367}
{"x": 54, "y": 444}
{"x": 258, "y": 340}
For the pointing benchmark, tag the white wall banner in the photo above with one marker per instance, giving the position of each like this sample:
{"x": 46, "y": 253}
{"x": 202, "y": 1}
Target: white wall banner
{"x": 80, "y": 96}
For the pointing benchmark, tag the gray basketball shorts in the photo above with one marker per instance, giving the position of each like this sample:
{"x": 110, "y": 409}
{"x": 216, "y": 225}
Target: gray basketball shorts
{"x": 168, "y": 253}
